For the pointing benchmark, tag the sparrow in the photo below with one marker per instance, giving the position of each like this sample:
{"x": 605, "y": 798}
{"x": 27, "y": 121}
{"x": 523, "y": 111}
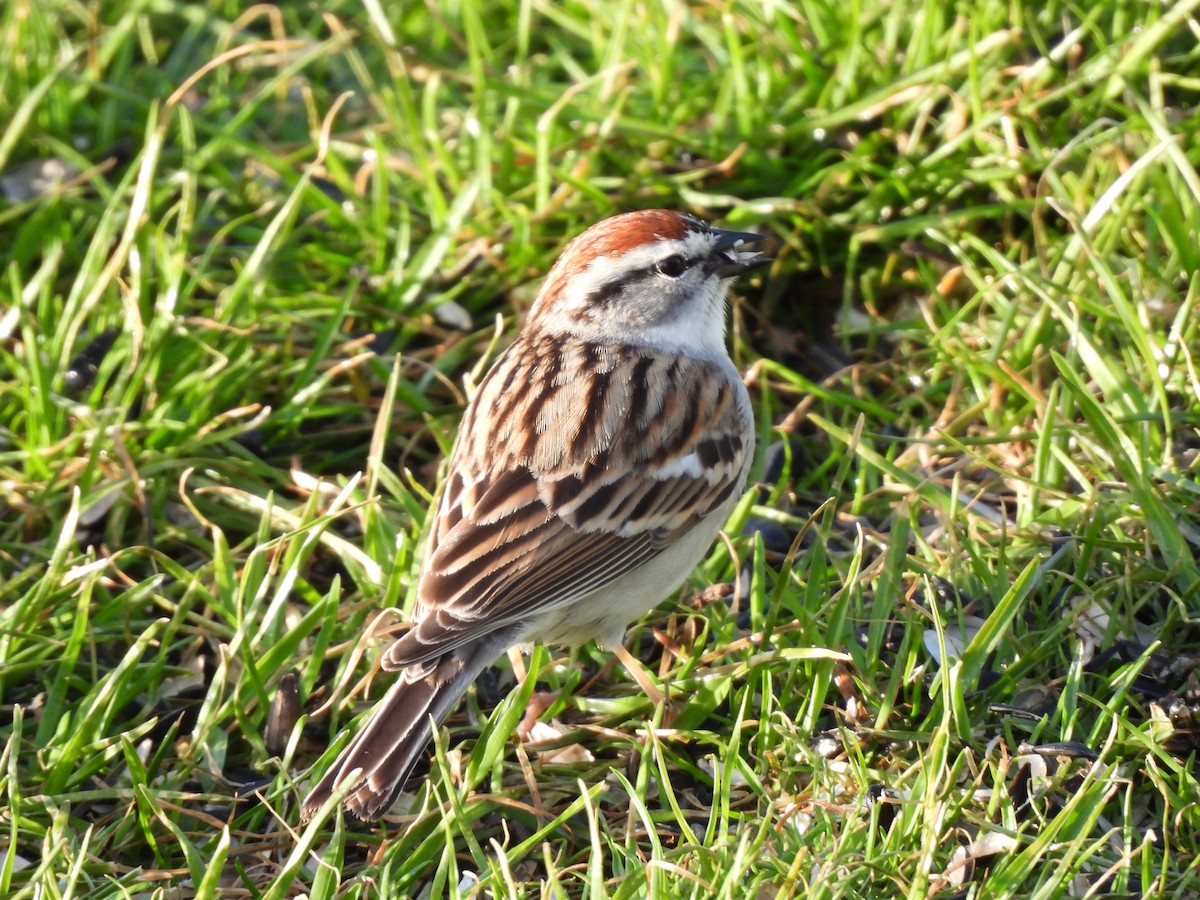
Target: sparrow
{"x": 593, "y": 467}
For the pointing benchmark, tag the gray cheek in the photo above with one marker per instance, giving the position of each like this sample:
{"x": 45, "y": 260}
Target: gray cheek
{"x": 660, "y": 311}
{"x": 656, "y": 302}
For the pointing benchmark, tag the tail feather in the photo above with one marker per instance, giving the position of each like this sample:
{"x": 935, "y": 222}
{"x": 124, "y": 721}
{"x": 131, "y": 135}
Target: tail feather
{"x": 399, "y": 728}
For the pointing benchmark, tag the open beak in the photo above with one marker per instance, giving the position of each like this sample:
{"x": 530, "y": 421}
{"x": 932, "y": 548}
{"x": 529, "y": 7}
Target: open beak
{"x": 730, "y": 258}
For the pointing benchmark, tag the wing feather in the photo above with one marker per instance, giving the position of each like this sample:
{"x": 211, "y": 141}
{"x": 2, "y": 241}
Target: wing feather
{"x": 560, "y": 489}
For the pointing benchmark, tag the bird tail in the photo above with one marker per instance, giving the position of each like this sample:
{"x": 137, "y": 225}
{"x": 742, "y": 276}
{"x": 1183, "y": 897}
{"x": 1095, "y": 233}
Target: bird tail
{"x": 397, "y": 731}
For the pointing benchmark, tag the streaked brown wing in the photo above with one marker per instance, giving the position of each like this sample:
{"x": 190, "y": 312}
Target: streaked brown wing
{"x": 576, "y": 482}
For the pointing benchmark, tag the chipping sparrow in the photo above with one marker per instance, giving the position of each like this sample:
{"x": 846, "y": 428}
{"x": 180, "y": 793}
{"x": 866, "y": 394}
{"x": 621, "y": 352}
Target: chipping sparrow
{"x": 593, "y": 467}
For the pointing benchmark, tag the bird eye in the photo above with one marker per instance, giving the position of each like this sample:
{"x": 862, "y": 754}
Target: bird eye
{"x": 672, "y": 266}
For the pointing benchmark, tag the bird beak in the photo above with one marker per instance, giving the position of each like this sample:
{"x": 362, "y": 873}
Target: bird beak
{"x": 729, "y": 259}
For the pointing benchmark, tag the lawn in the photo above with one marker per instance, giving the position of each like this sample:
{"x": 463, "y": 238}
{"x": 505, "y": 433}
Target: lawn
{"x": 255, "y": 256}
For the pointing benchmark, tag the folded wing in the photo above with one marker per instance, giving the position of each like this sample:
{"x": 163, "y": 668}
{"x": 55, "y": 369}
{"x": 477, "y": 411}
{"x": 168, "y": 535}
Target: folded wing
{"x": 582, "y": 480}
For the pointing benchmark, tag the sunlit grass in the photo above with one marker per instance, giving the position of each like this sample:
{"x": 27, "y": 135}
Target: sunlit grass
{"x": 950, "y": 643}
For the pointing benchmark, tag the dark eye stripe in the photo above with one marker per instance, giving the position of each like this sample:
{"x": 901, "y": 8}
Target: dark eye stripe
{"x": 610, "y": 290}
{"x": 607, "y": 292}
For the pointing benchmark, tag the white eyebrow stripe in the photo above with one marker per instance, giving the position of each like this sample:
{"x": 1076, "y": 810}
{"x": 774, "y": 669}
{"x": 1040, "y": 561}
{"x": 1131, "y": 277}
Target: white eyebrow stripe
{"x": 599, "y": 273}
{"x": 695, "y": 245}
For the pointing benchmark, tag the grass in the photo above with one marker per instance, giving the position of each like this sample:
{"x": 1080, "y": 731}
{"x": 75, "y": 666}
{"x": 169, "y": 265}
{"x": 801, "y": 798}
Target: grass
{"x": 950, "y": 645}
